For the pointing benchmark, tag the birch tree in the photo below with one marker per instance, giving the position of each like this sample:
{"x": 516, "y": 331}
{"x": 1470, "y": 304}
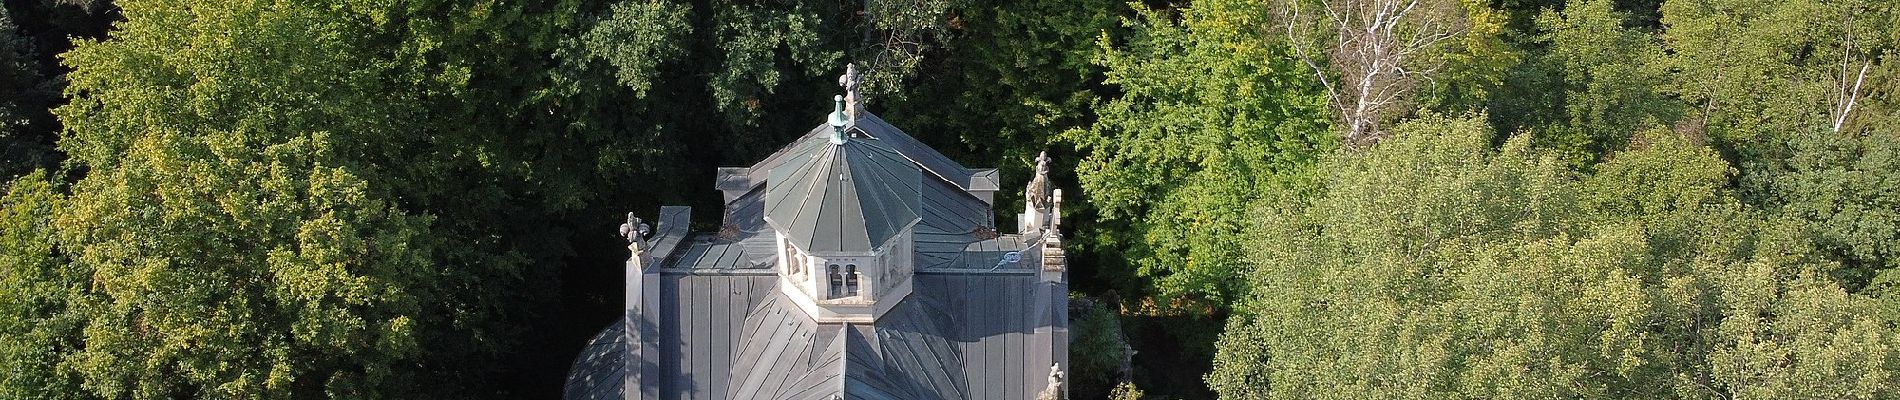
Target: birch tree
{"x": 1375, "y": 53}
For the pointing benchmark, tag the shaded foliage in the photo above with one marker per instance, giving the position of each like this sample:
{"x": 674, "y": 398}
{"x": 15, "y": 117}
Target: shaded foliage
{"x": 1097, "y": 348}
{"x": 24, "y": 144}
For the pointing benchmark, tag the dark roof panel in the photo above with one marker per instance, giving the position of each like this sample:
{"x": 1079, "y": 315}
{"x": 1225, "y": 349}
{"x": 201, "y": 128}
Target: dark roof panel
{"x": 930, "y": 160}
{"x": 958, "y": 336}
{"x": 850, "y": 197}
{"x": 597, "y": 374}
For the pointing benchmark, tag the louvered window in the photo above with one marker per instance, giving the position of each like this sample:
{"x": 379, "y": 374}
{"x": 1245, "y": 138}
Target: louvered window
{"x": 850, "y": 280}
{"x": 837, "y": 281}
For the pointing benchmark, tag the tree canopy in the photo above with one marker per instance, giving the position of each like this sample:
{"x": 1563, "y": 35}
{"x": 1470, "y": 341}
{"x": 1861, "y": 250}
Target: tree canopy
{"x": 1432, "y": 266}
{"x": 1270, "y": 199}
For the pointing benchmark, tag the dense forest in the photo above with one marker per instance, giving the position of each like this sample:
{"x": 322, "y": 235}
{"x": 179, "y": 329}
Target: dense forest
{"x": 1342, "y": 199}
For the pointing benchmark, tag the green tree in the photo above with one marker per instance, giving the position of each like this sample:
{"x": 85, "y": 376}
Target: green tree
{"x": 239, "y": 251}
{"x": 1375, "y": 57}
{"x": 1801, "y": 94}
{"x": 1213, "y": 114}
{"x": 43, "y": 301}
{"x": 1759, "y": 72}
{"x": 1847, "y": 187}
{"x": 1096, "y": 355}
{"x": 1434, "y": 267}
{"x": 1126, "y": 391}
{"x": 1611, "y": 80}
{"x": 1011, "y": 78}
{"x": 335, "y": 200}
{"x": 635, "y": 37}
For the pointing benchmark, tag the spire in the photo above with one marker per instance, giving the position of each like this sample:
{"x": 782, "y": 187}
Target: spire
{"x": 838, "y": 120}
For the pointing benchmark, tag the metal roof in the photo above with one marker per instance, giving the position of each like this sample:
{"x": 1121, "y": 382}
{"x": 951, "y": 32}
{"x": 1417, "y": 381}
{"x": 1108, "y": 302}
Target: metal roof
{"x": 850, "y": 197}
{"x": 933, "y": 162}
{"x": 711, "y": 323}
{"x": 977, "y": 336}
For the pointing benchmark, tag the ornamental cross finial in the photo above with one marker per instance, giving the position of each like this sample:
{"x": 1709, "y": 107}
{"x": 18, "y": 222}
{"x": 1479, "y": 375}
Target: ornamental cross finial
{"x": 634, "y": 230}
{"x": 851, "y": 81}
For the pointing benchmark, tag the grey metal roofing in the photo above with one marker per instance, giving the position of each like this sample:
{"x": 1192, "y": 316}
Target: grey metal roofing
{"x": 597, "y": 373}
{"x": 979, "y": 324}
{"x": 710, "y": 252}
{"x": 984, "y": 179}
{"x": 958, "y": 336}
{"x": 868, "y": 124}
{"x": 850, "y": 197}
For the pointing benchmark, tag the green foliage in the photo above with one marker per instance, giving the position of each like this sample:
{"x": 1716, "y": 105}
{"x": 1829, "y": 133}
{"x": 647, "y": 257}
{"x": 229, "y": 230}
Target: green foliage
{"x": 750, "y": 40}
{"x": 1801, "y": 93}
{"x": 42, "y": 307}
{"x": 1759, "y": 72}
{"x": 296, "y": 200}
{"x": 17, "y": 75}
{"x": 635, "y": 37}
{"x": 1610, "y": 79}
{"x": 900, "y": 35}
{"x": 1433, "y": 267}
{"x": 238, "y": 250}
{"x": 1126, "y": 391}
{"x": 1026, "y": 68}
{"x": 1848, "y": 188}
{"x": 1213, "y": 114}
{"x": 1474, "y": 62}
{"x": 1095, "y": 356}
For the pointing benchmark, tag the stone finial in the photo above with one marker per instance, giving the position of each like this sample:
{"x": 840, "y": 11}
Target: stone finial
{"x": 1054, "y": 390}
{"x": 1055, "y": 210}
{"x": 854, "y": 101}
{"x": 634, "y": 230}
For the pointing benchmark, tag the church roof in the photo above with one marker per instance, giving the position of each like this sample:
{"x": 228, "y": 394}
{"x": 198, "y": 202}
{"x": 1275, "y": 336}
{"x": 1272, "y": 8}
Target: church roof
{"x": 706, "y": 317}
{"x": 961, "y": 336}
{"x": 934, "y": 163}
{"x": 849, "y": 197}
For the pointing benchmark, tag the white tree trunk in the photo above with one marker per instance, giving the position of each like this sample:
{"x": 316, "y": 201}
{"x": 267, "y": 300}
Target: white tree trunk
{"x": 1378, "y": 51}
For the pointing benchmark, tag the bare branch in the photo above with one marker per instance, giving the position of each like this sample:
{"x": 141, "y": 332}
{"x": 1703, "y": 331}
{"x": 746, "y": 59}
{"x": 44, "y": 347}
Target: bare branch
{"x": 1377, "y": 48}
{"x": 1852, "y": 97}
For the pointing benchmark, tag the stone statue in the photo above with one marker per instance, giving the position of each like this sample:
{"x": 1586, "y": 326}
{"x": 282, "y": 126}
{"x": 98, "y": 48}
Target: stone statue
{"x": 1038, "y": 194}
{"x": 852, "y": 100}
{"x": 1054, "y": 390}
{"x": 634, "y": 230}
